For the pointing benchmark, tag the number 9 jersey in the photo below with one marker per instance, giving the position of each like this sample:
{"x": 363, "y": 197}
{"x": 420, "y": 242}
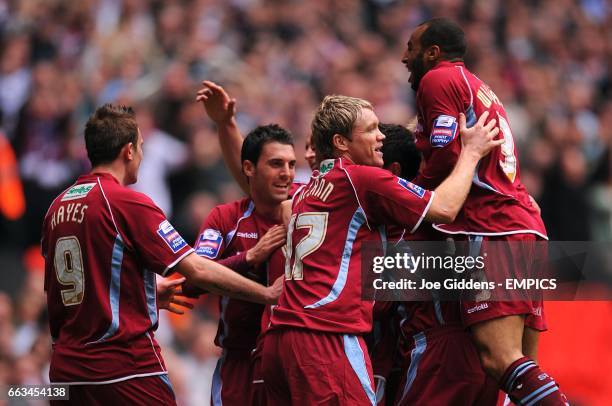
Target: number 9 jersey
{"x": 103, "y": 244}
{"x": 343, "y": 206}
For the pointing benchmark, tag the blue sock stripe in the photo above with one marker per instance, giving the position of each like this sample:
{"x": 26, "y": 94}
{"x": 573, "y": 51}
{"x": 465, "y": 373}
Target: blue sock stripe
{"x": 527, "y": 368}
{"x": 517, "y": 369}
{"x": 543, "y": 395}
{"x": 537, "y": 392}
{"x": 514, "y": 375}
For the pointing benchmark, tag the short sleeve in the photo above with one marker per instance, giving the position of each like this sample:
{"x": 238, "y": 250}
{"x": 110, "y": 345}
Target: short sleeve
{"x": 440, "y": 101}
{"x": 388, "y": 199}
{"x": 158, "y": 244}
{"x": 210, "y": 242}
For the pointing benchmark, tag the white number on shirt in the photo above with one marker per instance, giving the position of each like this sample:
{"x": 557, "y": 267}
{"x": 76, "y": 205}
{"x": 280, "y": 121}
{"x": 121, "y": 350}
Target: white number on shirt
{"x": 69, "y": 269}
{"x": 317, "y": 228}
{"x": 508, "y": 165}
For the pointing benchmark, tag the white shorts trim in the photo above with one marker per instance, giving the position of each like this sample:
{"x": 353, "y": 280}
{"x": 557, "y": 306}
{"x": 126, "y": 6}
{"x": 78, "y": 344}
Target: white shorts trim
{"x": 125, "y": 378}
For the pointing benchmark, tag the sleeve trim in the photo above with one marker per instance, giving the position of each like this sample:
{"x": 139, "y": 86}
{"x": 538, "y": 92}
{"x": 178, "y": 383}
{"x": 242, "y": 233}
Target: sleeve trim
{"x": 176, "y": 261}
{"x": 433, "y": 194}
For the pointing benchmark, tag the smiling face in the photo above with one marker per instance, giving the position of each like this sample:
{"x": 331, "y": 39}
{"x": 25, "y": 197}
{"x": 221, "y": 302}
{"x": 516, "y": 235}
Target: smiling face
{"x": 271, "y": 177}
{"x": 365, "y": 145}
{"x": 414, "y": 58}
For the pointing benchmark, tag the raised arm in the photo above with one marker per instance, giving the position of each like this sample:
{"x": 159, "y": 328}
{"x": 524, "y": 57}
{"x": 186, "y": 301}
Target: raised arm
{"x": 477, "y": 142}
{"x": 221, "y": 109}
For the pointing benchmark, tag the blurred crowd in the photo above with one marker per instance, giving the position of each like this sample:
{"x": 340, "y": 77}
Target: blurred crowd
{"x": 549, "y": 62}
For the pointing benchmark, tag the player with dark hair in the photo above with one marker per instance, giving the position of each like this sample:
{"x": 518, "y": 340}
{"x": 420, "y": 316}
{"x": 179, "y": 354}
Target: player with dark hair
{"x": 314, "y": 352}
{"x": 400, "y": 154}
{"x": 498, "y": 208}
{"x": 221, "y": 109}
{"x": 455, "y": 374}
{"x": 103, "y": 245}
{"x": 401, "y": 158}
{"x": 245, "y": 235}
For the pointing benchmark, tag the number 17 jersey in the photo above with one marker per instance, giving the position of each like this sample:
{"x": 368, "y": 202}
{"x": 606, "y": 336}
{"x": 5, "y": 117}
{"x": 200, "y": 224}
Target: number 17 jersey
{"x": 341, "y": 207}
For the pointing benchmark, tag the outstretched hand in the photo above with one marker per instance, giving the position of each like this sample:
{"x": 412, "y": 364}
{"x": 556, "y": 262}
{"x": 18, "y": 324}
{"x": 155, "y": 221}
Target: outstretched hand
{"x": 218, "y": 105}
{"x": 170, "y": 296}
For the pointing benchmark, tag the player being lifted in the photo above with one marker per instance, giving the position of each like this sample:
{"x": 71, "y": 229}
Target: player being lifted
{"x": 498, "y": 207}
{"x": 401, "y": 158}
{"x": 103, "y": 245}
{"x": 344, "y": 204}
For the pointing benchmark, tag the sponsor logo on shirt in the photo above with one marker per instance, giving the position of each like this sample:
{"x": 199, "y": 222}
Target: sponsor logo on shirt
{"x": 247, "y": 235}
{"x": 411, "y": 187}
{"x": 478, "y": 308}
{"x": 167, "y": 232}
{"x": 209, "y": 243}
{"x": 326, "y": 166}
{"x": 444, "y": 131}
{"x": 78, "y": 191}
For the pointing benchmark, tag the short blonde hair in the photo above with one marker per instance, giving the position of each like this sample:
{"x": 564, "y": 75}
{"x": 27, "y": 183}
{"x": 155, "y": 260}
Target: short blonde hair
{"x": 335, "y": 115}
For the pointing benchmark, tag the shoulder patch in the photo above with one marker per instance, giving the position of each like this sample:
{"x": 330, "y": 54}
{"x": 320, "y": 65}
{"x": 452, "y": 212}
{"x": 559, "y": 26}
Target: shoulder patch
{"x": 209, "y": 243}
{"x": 443, "y": 131}
{"x": 167, "y": 232}
{"x": 78, "y": 191}
{"x": 411, "y": 187}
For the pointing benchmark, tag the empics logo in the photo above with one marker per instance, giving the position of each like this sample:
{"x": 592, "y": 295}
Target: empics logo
{"x": 209, "y": 243}
{"x": 174, "y": 240}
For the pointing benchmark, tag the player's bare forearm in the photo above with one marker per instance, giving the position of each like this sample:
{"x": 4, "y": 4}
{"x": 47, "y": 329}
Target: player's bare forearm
{"x": 231, "y": 140}
{"x": 218, "y": 279}
{"x": 221, "y": 109}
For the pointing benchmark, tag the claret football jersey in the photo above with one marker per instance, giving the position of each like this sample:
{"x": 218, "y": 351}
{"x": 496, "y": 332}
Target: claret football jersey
{"x": 231, "y": 229}
{"x": 341, "y": 207}
{"x": 498, "y": 203}
{"x": 103, "y": 243}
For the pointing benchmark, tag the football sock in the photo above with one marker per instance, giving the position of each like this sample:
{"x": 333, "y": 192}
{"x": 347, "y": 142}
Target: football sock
{"x": 528, "y": 385}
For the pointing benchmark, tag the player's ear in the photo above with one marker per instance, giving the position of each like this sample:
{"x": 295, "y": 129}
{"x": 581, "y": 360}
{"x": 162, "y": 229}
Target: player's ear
{"x": 128, "y": 151}
{"x": 395, "y": 168}
{"x": 340, "y": 143}
{"x": 433, "y": 53}
{"x": 248, "y": 168}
